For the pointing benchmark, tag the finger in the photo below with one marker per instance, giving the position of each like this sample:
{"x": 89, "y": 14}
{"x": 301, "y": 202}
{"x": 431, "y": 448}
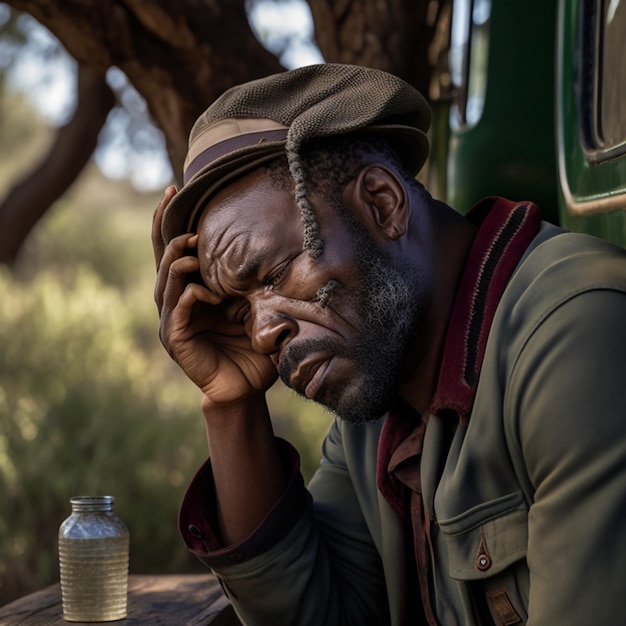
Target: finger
{"x": 158, "y": 245}
{"x": 201, "y": 294}
{"x": 180, "y": 320}
{"x": 194, "y": 293}
{"x": 177, "y": 249}
{"x": 174, "y": 315}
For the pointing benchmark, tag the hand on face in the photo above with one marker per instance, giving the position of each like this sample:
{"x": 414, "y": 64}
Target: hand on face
{"x": 214, "y": 353}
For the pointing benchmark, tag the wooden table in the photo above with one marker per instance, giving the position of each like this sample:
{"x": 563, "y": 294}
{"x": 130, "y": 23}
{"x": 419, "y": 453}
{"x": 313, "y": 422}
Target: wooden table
{"x": 187, "y": 600}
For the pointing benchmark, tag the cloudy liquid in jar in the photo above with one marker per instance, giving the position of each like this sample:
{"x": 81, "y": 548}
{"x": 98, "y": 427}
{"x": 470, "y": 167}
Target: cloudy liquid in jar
{"x": 93, "y": 563}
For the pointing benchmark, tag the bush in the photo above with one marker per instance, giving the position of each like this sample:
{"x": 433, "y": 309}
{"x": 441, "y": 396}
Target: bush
{"x": 85, "y": 410}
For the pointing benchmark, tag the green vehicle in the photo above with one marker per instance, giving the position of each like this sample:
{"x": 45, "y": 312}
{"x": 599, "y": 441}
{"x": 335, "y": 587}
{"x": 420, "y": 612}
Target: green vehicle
{"x": 539, "y": 111}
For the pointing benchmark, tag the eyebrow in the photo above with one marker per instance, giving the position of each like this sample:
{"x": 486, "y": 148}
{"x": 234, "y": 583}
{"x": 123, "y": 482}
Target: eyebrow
{"x": 247, "y": 263}
{"x": 250, "y": 267}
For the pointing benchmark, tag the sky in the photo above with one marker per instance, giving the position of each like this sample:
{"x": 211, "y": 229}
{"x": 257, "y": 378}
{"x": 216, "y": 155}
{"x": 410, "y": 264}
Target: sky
{"x": 48, "y": 83}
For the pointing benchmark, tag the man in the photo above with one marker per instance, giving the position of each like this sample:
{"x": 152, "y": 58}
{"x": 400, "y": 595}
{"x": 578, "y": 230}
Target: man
{"x": 475, "y": 471}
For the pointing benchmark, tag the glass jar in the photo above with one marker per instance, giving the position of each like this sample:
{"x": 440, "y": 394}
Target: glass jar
{"x": 93, "y": 561}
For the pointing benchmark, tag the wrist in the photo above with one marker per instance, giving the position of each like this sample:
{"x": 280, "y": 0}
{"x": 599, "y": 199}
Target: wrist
{"x": 250, "y": 408}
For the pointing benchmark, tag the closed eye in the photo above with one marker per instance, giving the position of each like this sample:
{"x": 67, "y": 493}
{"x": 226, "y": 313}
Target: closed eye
{"x": 236, "y": 310}
{"x": 242, "y": 313}
{"x": 279, "y": 275}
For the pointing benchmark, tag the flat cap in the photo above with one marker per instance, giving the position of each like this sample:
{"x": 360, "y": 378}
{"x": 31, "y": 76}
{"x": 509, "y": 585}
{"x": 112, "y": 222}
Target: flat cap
{"x": 257, "y": 121}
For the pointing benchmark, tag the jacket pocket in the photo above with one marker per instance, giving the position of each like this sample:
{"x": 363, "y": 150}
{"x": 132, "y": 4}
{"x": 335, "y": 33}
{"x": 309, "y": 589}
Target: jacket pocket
{"x": 487, "y": 538}
{"x": 486, "y": 548}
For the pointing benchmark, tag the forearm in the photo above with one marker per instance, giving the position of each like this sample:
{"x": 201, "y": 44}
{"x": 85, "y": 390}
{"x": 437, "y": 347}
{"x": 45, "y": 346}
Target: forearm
{"x": 300, "y": 566}
{"x": 248, "y": 472}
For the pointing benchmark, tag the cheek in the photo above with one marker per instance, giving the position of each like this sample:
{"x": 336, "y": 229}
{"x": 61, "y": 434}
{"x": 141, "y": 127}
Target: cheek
{"x": 339, "y": 315}
{"x": 307, "y": 277}
{"x": 330, "y": 296}
{"x": 345, "y": 306}
{"x": 336, "y": 264}
{"x": 327, "y": 291}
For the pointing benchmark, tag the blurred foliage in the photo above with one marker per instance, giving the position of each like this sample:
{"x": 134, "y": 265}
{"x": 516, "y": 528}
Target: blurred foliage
{"x": 89, "y": 401}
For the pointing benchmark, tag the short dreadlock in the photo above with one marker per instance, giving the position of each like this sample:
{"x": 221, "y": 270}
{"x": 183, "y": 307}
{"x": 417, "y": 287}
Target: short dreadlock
{"x": 326, "y": 166}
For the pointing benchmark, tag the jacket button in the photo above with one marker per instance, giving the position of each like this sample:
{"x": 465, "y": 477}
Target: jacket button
{"x": 483, "y": 562}
{"x": 237, "y": 556}
{"x": 195, "y": 531}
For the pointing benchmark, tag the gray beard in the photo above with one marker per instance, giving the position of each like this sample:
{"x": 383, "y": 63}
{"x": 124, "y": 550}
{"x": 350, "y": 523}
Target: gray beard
{"x": 391, "y": 304}
{"x": 391, "y": 310}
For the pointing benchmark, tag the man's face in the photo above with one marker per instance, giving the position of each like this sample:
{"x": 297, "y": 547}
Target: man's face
{"x": 345, "y": 352}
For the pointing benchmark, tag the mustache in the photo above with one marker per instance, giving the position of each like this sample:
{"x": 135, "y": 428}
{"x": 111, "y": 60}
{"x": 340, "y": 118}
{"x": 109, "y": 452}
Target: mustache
{"x": 296, "y": 351}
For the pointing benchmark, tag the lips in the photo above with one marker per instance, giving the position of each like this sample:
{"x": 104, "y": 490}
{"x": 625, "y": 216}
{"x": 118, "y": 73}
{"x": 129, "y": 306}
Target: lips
{"x": 309, "y": 374}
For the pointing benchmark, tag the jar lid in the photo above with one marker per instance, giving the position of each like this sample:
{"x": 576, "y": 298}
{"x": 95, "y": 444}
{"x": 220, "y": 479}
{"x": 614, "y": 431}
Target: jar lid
{"x": 92, "y": 503}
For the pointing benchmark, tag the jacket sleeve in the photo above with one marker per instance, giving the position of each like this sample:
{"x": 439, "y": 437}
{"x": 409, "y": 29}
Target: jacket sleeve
{"x": 310, "y": 562}
{"x": 568, "y": 393}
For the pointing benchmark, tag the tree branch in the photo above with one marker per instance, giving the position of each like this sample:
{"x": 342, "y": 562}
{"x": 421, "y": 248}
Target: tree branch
{"x": 180, "y": 56}
{"x": 74, "y": 144}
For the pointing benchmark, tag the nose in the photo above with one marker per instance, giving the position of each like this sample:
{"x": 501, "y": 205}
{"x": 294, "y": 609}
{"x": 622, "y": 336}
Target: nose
{"x": 271, "y": 328}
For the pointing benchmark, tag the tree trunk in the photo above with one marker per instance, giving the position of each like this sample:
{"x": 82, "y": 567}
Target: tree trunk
{"x": 179, "y": 55}
{"x": 399, "y": 36}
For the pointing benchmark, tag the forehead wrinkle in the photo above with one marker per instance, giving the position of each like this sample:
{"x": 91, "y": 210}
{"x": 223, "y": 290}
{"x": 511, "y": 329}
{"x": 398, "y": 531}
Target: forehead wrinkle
{"x": 242, "y": 264}
{"x": 223, "y": 249}
{"x": 234, "y": 261}
{"x": 239, "y": 241}
{"x": 249, "y": 268}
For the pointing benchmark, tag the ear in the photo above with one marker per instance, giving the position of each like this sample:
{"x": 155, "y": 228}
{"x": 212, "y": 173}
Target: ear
{"x": 380, "y": 200}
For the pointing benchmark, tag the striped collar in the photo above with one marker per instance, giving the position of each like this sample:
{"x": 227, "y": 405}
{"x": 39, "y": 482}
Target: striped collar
{"x": 505, "y": 231}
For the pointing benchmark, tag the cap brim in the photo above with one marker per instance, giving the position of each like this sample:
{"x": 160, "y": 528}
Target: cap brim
{"x": 182, "y": 213}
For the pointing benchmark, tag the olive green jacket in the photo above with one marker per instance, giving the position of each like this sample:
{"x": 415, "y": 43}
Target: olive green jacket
{"x": 528, "y": 503}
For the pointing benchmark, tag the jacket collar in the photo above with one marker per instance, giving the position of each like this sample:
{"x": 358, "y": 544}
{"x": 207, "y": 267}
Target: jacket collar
{"x": 505, "y": 231}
